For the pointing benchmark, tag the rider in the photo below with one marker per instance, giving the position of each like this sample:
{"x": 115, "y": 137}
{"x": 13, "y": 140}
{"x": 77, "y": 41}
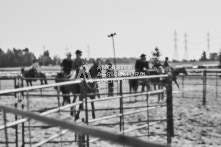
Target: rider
{"x": 66, "y": 65}
{"x": 96, "y": 69}
{"x": 35, "y": 68}
{"x": 78, "y": 63}
{"x": 142, "y": 65}
{"x": 166, "y": 64}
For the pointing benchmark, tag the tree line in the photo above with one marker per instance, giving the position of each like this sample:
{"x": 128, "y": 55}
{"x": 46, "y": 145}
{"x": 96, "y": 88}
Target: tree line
{"x": 23, "y": 57}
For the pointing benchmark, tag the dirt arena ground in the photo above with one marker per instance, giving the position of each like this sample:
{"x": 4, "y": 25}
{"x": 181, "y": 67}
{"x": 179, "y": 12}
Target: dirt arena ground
{"x": 195, "y": 125}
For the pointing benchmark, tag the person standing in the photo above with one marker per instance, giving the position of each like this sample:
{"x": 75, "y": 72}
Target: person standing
{"x": 110, "y": 74}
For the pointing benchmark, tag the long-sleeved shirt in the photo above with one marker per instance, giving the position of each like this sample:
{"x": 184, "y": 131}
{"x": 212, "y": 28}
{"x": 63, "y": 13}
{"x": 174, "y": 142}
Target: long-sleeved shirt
{"x": 77, "y": 63}
{"x": 67, "y": 65}
{"x": 140, "y": 65}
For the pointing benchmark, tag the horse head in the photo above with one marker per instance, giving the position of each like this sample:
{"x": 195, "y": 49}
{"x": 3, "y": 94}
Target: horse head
{"x": 59, "y": 77}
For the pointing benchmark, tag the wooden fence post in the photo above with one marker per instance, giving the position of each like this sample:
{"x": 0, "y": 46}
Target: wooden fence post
{"x": 204, "y": 87}
{"x": 169, "y": 101}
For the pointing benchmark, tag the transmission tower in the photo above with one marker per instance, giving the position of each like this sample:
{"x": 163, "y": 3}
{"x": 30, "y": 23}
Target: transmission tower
{"x": 88, "y": 52}
{"x": 208, "y": 43}
{"x": 176, "y": 57}
{"x": 185, "y": 47}
{"x": 66, "y": 49}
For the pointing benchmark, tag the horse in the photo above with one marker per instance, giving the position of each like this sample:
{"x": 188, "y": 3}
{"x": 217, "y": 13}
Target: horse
{"x": 134, "y": 84}
{"x": 178, "y": 71}
{"x": 80, "y": 88}
{"x": 33, "y": 76}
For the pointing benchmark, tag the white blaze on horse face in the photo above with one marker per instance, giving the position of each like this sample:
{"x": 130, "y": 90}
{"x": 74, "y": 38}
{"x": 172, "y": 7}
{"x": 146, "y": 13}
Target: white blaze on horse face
{"x": 73, "y": 75}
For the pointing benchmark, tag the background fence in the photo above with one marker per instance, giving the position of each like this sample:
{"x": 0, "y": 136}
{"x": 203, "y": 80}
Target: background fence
{"x": 201, "y": 84}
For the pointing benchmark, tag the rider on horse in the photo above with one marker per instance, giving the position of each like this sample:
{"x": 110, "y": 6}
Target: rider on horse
{"x": 78, "y": 64}
{"x": 141, "y": 65}
{"x": 66, "y": 65}
{"x": 35, "y": 68}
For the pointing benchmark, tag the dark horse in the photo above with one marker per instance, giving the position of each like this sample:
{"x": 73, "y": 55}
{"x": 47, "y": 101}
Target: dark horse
{"x": 80, "y": 89}
{"x": 155, "y": 81}
{"x": 32, "y": 76}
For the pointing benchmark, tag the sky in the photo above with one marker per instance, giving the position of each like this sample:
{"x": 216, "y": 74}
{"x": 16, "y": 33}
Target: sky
{"x": 62, "y": 26}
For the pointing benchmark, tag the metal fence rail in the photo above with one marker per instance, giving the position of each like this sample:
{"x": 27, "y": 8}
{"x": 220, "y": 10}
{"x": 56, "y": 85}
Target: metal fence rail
{"x": 206, "y": 82}
{"x": 27, "y": 89}
{"x": 124, "y": 140}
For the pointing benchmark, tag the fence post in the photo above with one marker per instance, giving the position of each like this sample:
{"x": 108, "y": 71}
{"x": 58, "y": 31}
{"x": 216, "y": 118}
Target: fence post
{"x": 204, "y": 87}
{"x": 170, "y": 127}
{"x": 6, "y": 128}
{"x": 148, "y": 118}
{"x": 16, "y": 127}
{"x": 121, "y": 108}
{"x": 216, "y": 86}
{"x": 84, "y": 95}
{"x": 15, "y": 86}
{"x": 81, "y": 138}
{"x": 182, "y": 86}
{"x": 29, "y": 121}
{"x": 23, "y": 129}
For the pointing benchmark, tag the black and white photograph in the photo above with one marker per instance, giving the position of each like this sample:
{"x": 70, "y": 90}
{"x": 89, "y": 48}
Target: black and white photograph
{"x": 110, "y": 73}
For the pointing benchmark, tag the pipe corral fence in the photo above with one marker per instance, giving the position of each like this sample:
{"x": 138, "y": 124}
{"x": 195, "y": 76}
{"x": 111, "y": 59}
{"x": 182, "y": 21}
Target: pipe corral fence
{"x": 26, "y": 125}
{"x": 202, "y": 84}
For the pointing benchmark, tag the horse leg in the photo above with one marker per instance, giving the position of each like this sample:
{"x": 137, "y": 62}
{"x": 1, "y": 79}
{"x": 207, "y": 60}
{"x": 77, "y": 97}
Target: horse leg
{"x": 81, "y": 107}
{"x": 93, "y": 113}
{"x": 98, "y": 93}
{"x": 130, "y": 88}
{"x": 41, "y": 82}
{"x": 73, "y": 109}
{"x": 46, "y": 82}
{"x": 159, "y": 96}
{"x": 143, "y": 88}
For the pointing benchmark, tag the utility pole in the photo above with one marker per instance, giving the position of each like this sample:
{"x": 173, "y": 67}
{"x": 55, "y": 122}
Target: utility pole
{"x": 175, "y": 46}
{"x": 185, "y": 47}
{"x": 112, "y": 36}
